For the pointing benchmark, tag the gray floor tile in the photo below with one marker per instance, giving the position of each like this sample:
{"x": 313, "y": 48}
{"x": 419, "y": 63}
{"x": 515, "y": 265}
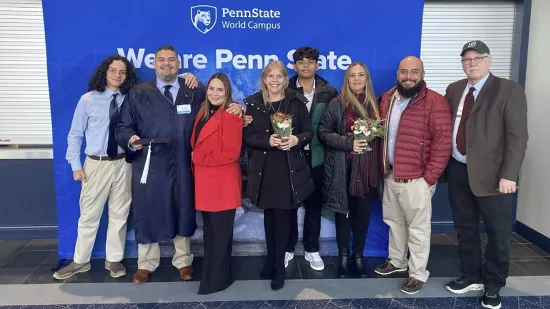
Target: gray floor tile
{"x": 42, "y": 245}
{"x": 441, "y": 239}
{"x": 535, "y": 268}
{"x": 41, "y": 275}
{"x": 28, "y": 259}
{"x": 538, "y": 250}
{"x": 15, "y": 275}
{"x": 516, "y": 271}
{"x": 519, "y": 252}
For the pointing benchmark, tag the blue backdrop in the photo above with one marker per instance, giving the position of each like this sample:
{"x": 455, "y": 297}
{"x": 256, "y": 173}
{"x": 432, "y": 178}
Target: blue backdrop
{"x": 237, "y": 37}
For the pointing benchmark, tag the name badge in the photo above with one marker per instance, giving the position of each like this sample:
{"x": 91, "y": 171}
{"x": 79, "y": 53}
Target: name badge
{"x": 184, "y": 109}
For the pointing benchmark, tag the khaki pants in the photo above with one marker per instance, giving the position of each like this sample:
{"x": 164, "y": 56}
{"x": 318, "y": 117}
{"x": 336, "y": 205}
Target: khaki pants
{"x": 407, "y": 209}
{"x": 104, "y": 180}
{"x": 149, "y": 254}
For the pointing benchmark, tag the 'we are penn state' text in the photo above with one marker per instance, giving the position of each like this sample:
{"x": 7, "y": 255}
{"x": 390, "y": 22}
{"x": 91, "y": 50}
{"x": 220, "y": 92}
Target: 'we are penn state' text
{"x": 225, "y": 57}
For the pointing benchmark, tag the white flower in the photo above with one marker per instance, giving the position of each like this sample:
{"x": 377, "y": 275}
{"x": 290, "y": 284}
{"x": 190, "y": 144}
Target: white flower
{"x": 367, "y": 133}
{"x": 362, "y": 128}
{"x": 283, "y": 125}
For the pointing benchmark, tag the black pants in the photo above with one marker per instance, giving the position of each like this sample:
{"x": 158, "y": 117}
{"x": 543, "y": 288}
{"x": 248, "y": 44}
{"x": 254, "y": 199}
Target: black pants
{"x": 218, "y": 243}
{"x": 356, "y": 222}
{"x": 277, "y": 230}
{"x": 312, "y": 219}
{"x": 496, "y": 212}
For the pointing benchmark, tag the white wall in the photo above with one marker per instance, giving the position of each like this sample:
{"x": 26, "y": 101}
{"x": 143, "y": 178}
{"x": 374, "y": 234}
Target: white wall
{"x": 534, "y": 194}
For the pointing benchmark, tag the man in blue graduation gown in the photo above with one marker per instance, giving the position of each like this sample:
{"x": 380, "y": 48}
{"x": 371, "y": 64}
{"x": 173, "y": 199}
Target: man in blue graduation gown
{"x": 161, "y": 112}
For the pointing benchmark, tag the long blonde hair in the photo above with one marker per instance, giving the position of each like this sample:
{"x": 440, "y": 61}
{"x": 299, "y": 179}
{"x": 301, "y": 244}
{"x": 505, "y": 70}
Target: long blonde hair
{"x": 350, "y": 98}
{"x": 273, "y": 65}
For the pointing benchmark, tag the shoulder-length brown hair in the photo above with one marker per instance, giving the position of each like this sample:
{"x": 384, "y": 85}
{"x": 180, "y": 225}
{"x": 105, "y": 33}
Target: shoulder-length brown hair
{"x": 350, "y": 98}
{"x": 205, "y": 106}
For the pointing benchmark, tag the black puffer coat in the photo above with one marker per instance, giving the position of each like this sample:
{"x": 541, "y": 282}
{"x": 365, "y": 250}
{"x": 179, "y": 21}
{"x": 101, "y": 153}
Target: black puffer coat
{"x": 338, "y": 144}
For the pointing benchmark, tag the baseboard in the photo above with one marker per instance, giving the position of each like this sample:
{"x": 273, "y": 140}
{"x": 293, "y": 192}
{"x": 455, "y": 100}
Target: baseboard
{"x": 443, "y": 227}
{"x": 447, "y": 227}
{"x": 533, "y": 236}
{"x": 34, "y": 232}
{"x": 38, "y": 232}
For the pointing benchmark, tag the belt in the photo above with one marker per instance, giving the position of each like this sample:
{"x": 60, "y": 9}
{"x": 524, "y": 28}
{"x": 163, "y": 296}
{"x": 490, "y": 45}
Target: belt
{"x": 98, "y": 158}
{"x": 403, "y": 180}
{"x": 399, "y": 180}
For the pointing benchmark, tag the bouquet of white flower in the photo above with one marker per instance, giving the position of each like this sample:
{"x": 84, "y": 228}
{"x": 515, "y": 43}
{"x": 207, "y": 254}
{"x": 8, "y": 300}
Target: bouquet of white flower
{"x": 282, "y": 125}
{"x": 367, "y": 130}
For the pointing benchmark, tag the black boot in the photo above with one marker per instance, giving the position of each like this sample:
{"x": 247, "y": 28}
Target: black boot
{"x": 278, "y": 279}
{"x": 343, "y": 263}
{"x": 268, "y": 271}
{"x": 278, "y": 282}
{"x": 359, "y": 265}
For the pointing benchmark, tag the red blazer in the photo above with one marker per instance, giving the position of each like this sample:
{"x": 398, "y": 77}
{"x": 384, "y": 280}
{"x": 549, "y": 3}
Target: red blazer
{"x": 215, "y": 156}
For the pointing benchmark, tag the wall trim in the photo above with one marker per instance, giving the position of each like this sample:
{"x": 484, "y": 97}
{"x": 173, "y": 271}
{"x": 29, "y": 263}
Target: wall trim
{"x": 522, "y": 34}
{"x": 533, "y": 236}
{"x": 39, "y": 232}
{"x": 34, "y": 232}
{"x": 447, "y": 227}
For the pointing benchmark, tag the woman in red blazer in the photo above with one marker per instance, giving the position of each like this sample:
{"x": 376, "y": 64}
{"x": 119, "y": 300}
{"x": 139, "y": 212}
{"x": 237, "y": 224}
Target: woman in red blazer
{"x": 216, "y": 145}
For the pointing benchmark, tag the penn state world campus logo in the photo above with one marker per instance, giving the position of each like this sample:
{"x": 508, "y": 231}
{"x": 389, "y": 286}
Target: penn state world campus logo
{"x": 204, "y": 17}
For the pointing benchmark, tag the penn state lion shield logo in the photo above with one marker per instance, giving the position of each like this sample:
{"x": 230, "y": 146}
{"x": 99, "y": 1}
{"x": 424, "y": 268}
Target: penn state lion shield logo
{"x": 204, "y": 17}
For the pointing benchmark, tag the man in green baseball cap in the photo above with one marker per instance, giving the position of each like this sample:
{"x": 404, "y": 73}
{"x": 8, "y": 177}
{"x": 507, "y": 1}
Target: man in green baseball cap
{"x": 489, "y": 142}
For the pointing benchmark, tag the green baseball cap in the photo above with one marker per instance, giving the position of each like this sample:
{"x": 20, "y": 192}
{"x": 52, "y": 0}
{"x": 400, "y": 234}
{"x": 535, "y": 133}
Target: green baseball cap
{"x": 475, "y": 45}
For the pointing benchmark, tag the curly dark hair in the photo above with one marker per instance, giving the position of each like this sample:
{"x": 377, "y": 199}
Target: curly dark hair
{"x": 306, "y": 52}
{"x": 98, "y": 82}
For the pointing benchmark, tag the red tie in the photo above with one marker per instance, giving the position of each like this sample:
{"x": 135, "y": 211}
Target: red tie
{"x": 466, "y": 109}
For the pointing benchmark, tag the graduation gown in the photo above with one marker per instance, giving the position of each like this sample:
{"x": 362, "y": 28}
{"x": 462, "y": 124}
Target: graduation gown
{"x": 164, "y": 206}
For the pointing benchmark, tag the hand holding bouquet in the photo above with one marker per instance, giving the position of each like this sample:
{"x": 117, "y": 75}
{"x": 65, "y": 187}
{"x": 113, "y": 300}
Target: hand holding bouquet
{"x": 368, "y": 130}
{"x": 282, "y": 125}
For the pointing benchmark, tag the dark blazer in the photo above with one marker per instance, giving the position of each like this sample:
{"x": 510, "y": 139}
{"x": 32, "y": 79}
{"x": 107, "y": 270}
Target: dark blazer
{"x": 496, "y": 132}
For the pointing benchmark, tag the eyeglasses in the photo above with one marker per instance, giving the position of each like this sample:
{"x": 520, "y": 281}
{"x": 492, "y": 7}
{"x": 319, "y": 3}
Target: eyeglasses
{"x": 475, "y": 60}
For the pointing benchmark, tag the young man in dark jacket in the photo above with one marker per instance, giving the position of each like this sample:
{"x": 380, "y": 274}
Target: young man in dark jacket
{"x": 318, "y": 93}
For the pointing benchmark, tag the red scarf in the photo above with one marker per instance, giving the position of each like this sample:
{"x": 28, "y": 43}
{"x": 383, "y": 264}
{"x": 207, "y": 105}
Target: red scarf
{"x": 364, "y": 167}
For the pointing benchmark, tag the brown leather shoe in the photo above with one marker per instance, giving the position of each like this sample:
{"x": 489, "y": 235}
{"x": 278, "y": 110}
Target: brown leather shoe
{"x": 141, "y": 276}
{"x": 186, "y": 273}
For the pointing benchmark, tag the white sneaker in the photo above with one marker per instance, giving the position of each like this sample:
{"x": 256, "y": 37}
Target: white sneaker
{"x": 315, "y": 260}
{"x": 288, "y": 257}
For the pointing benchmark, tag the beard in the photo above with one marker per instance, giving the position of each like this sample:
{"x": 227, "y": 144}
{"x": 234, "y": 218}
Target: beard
{"x": 166, "y": 76}
{"x": 410, "y": 92}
